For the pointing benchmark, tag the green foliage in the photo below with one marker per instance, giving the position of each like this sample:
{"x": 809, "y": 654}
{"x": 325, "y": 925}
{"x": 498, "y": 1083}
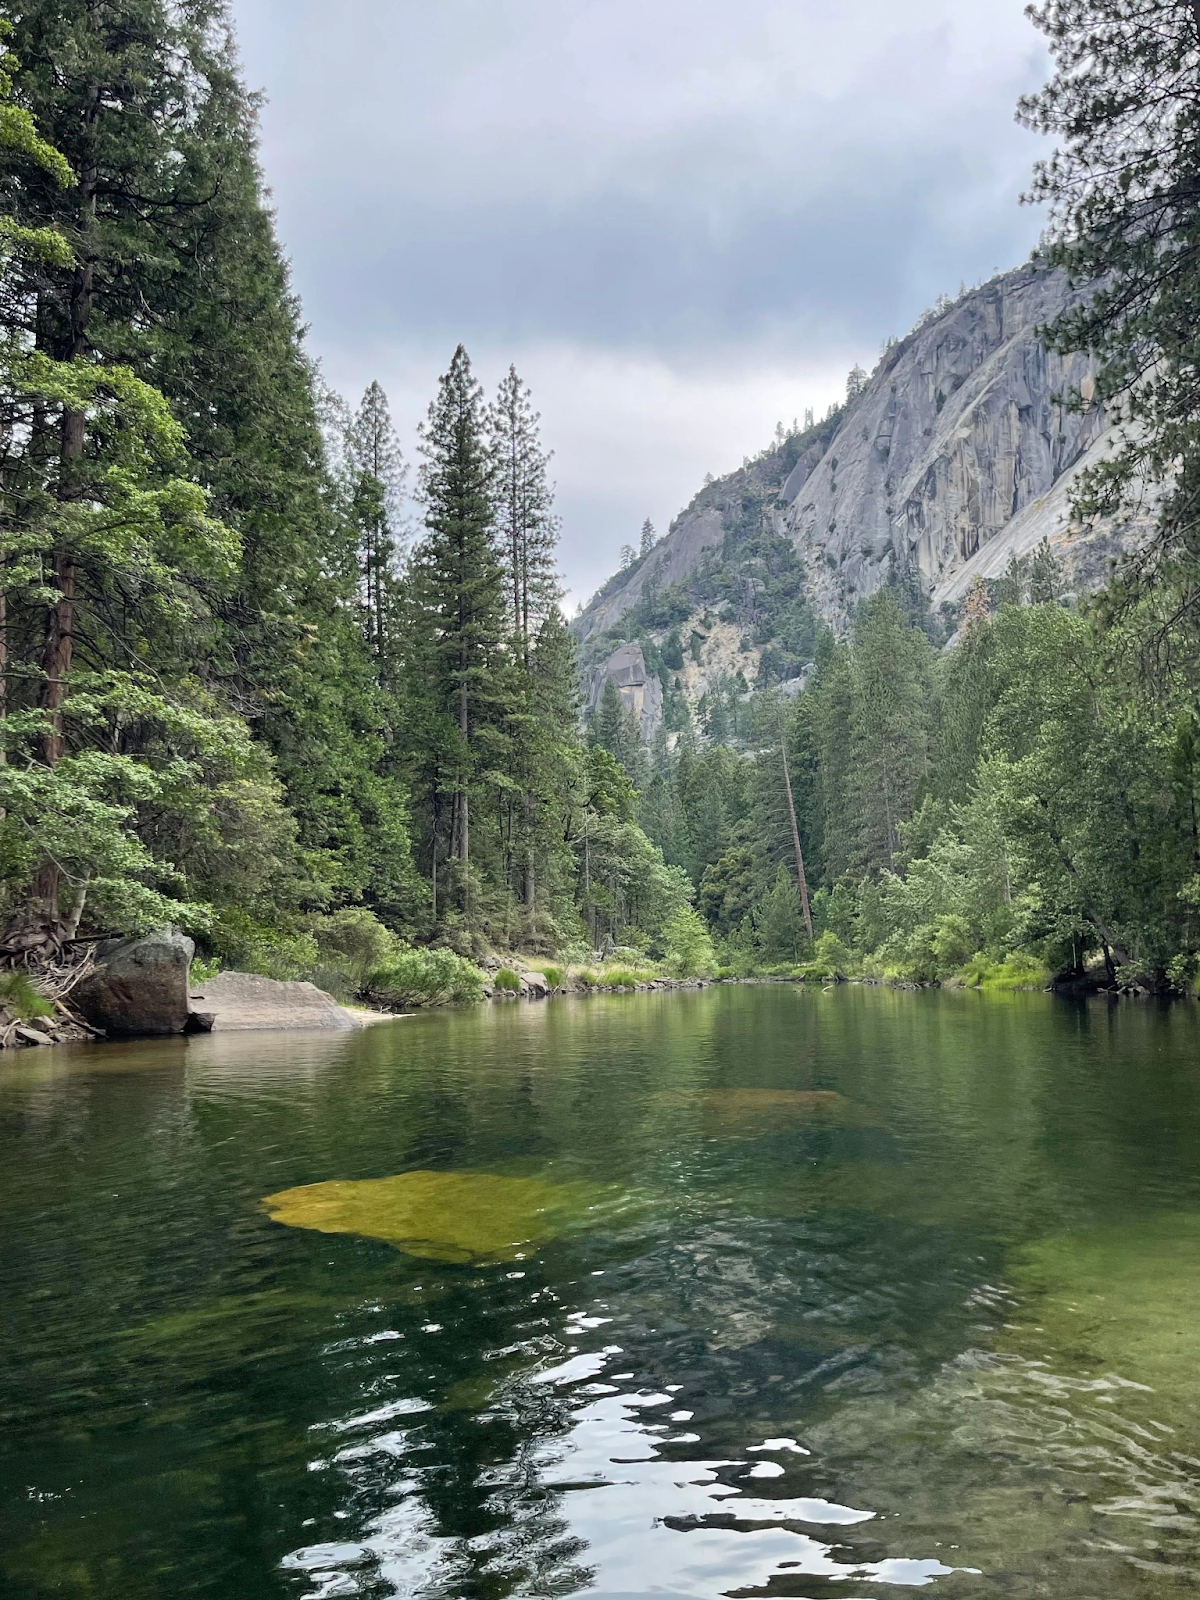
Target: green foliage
{"x": 242, "y": 942}
{"x": 21, "y": 998}
{"x": 553, "y": 976}
{"x": 423, "y": 978}
{"x": 779, "y": 922}
{"x": 687, "y": 947}
{"x": 1018, "y": 970}
{"x": 351, "y": 944}
{"x": 1182, "y": 972}
{"x": 1124, "y": 219}
{"x": 728, "y": 888}
{"x": 831, "y": 957}
{"x": 626, "y": 978}
{"x": 507, "y": 980}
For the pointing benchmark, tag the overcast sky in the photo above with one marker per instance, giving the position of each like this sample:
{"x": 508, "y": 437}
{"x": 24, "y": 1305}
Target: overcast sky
{"x": 682, "y": 221}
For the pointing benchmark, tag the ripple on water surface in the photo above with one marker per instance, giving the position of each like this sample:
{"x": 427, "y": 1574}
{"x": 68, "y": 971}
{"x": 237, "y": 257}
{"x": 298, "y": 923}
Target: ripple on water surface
{"x": 747, "y": 1292}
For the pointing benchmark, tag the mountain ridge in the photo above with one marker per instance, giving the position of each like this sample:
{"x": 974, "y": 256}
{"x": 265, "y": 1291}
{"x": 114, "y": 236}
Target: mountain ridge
{"x": 956, "y": 455}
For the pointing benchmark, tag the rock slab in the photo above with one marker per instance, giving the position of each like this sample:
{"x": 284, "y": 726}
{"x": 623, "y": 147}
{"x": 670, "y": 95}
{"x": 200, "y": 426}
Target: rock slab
{"x": 243, "y": 1002}
{"x": 140, "y": 986}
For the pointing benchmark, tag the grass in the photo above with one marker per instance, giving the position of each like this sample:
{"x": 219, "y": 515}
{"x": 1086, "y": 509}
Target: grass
{"x": 613, "y": 977}
{"x": 507, "y": 979}
{"x": 1018, "y": 970}
{"x": 21, "y": 999}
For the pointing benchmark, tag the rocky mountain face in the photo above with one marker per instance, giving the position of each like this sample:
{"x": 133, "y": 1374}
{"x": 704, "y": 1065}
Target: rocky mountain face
{"x": 640, "y": 689}
{"x": 953, "y": 453}
{"x": 955, "y": 457}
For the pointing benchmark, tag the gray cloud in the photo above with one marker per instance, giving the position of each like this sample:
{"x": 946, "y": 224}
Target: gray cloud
{"x": 655, "y": 188}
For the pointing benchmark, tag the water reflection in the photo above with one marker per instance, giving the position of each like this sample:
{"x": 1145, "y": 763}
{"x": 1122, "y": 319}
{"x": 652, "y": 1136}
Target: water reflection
{"x": 606, "y": 1500}
{"x": 894, "y": 1291}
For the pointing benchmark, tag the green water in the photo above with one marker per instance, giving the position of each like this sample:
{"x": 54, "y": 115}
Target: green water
{"x": 939, "y": 1253}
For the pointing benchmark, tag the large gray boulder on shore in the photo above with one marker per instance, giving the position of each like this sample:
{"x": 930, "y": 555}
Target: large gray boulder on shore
{"x": 139, "y": 987}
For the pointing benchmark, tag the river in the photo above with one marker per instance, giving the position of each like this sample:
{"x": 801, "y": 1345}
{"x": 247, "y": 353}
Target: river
{"x": 755, "y": 1290}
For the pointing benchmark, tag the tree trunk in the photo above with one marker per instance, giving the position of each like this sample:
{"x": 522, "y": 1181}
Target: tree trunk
{"x": 75, "y": 916}
{"x": 530, "y": 865}
{"x": 3, "y": 670}
{"x": 60, "y": 615}
{"x": 56, "y": 658}
{"x": 803, "y": 877}
{"x": 887, "y": 814}
{"x": 462, "y": 813}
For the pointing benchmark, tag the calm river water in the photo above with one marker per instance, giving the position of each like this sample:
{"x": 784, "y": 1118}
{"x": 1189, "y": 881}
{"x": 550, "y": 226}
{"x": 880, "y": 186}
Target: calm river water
{"x": 750, "y": 1291}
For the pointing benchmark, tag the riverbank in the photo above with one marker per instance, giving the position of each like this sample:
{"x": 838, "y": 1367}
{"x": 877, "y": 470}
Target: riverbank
{"x": 251, "y": 1003}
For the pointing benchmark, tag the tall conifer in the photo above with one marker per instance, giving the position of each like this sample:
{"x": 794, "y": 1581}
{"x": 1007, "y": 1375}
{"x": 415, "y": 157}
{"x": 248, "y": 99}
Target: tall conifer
{"x": 526, "y": 526}
{"x": 378, "y": 473}
{"x": 459, "y": 585}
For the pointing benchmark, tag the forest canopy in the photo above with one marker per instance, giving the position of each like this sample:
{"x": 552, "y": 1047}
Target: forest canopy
{"x": 247, "y": 689}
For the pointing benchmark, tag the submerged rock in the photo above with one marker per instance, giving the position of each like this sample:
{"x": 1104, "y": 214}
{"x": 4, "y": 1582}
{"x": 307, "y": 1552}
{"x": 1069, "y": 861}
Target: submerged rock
{"x": 734, "y": 1106}
{"x": 441, "y": 1216}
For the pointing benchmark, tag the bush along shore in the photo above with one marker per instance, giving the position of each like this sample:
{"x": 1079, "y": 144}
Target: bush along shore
{"x": 359, "y": 971}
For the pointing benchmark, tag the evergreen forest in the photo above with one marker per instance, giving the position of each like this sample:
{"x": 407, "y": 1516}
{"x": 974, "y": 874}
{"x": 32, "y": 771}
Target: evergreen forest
{"x": 244, "y": 691}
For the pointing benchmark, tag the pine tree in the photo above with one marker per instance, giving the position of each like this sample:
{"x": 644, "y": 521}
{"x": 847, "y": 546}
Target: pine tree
{"x": 526, "y": 526}
{"x": 649, "y": 538}
{"x": 184, "y": 284}
{"x": 108, "y": 550}
{"x": 615, "y": 728}
{"x": 459, "y": 586}
{"x": 549, "y": 762}
{"x": 1123, "y": 189}
{"x": 890, "y": 725}
{"x": 377, "y": 473}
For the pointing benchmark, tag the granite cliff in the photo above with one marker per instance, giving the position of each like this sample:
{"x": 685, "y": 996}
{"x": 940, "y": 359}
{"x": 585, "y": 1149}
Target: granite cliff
{"x": 957, "y": 455}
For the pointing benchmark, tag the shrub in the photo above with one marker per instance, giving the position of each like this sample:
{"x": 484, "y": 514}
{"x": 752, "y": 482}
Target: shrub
{"x": 907, "y": 957}
{"x": 334, "y": 981}
{"x": 831, "y": 956}
{"x": 507, "y": 980}
{"x": 244, "y": 944}
{"x": 1018, "y": 970}
{"x": 687, "y": 945}
{"x": 354, "y": 941}
{"x": 424, "y": 978}
{"x": 22, "y": 999}
{"x": 1181, "y": 972}
{"x": 952, "y": 942}
{"x": 553, "y": 977}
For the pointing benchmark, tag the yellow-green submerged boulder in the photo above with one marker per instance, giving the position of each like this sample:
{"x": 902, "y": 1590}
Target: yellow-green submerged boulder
{"x": 442, "y": 1216}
